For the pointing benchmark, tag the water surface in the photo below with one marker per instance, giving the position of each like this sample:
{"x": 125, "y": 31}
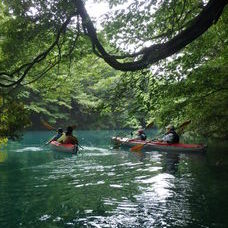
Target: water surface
{"x": 103, "y": 187}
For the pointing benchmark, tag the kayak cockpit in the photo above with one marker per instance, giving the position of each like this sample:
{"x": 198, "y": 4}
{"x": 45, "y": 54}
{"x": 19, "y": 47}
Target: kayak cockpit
{"x": 60, "y": 147}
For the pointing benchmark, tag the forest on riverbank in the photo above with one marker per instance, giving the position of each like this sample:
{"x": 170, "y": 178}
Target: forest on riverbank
{"x": 53, "y": 65}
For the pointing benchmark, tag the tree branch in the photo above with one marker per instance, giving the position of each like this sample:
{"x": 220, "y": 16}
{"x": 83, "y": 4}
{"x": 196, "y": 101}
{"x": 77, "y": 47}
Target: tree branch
{"x": 208, "y": 16}
{"x": 38, "y": 59}
{"x": 139, "y": 60}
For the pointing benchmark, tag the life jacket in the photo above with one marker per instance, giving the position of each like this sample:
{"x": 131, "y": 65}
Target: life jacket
{"x": 56, "y": 137}
{"x": 175, "y": 137}
{"x": 70, "y": 139}
{"x": 143, "y": 136}
{"x": 62, "y": 138}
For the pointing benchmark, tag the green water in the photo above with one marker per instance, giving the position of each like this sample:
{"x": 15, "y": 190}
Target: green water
{"x": 102, "y": 187}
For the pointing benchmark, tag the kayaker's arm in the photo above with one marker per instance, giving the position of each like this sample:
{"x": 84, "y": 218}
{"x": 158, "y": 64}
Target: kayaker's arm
{"x": 52, "y": 139}
{"x": 62, "y": 138}
{"x": 167, "y": 138}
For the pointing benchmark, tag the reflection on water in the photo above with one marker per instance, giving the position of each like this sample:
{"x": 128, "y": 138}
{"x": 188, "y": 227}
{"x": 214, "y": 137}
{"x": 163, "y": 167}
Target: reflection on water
{"x": 3, "y": 156}
{"x": 171, "y": 162}
{"x": 100, "y": 187}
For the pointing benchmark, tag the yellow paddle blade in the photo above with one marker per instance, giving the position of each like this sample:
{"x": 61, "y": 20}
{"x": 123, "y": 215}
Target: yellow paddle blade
{"x": 182, "y": 127}
{"x": 47, "y": 125}
{"x": 150, "y": 125}
{"x": 137, "y": 147}
{"x": 184, "y": 124}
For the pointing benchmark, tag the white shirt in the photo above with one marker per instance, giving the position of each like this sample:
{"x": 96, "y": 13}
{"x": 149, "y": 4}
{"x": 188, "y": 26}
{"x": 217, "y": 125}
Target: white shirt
{"x": 168, "y": 138}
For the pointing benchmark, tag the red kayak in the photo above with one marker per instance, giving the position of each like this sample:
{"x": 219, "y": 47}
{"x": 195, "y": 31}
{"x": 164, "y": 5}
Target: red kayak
{"x": 69, "y": 148}
{"x": 158, "y": 146}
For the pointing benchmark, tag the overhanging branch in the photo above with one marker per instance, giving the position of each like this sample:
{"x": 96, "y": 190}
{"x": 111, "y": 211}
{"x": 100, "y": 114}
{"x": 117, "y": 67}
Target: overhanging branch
{"x": 139, "y": 60}
{"x": 147, "y": 56}
{"x": 28, "y": 66}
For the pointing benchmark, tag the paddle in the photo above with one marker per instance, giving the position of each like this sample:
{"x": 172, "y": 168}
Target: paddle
{"x": 180, "y": 127}
{"x": 138, "y": 147}
{"x": 47, "y": 125}
{"x": 150, "y": 125}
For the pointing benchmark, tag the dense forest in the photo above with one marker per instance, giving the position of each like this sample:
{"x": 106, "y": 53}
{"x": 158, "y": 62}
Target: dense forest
{"x": 147, "y": 61}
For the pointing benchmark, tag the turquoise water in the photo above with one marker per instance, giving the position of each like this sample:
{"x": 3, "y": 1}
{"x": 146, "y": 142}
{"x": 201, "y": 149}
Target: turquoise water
{"x": 103, "y": 187}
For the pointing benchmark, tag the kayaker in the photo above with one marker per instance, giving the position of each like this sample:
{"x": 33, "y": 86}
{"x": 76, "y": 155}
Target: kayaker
{"x": 67, "y": 137}
{"x": 170, "y": 136}
{"x": 141, "y": 134}
{"x": 57, "y": 136}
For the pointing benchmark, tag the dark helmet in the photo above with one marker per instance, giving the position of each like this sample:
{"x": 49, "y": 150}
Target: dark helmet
{"x": 60, "y": 130}
{"x": 69, "y": 129}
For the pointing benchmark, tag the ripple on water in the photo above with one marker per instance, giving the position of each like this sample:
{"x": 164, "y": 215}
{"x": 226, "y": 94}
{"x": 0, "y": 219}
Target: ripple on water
{"x": 116, "y": 186}
{"x": 102, "y": 151}
{"x": 44, "y": 217}
{"x": 105, "y": 188}
{"x": 158, "y": 186}
{"x": 29, "y": 149}
{"x": 57, "y": 219}
{"x": 120, "y": 220}
{"x": 150, "y": 169}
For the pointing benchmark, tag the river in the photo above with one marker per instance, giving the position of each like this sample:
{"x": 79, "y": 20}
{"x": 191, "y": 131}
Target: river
{"x": 105, "y": 187}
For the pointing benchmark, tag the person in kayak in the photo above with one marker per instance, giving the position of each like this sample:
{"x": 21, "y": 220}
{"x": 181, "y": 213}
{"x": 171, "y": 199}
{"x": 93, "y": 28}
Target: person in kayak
{"x": 141, "y": 134}
{"x": 57, "y": 136}
{"x": 170, "y": 136}
{"x": 68, "y": 138}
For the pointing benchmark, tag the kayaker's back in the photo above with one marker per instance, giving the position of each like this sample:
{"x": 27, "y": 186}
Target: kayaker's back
{"x": 71, "y": 140}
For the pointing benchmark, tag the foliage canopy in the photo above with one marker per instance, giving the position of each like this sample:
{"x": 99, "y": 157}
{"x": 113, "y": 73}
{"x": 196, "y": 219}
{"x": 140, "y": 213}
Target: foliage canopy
{"x": 52, "y": 29}
{"x": 48, "y": 68}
